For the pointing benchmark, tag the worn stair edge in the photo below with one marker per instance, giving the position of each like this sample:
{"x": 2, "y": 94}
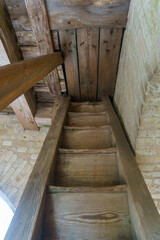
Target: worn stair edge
{"x": 85, "y": 113}
{"x": 86, "y": 103}
{"x": 112, "y": 189}
{"x": 87, "y": 127}
{"x": 112, "y": 150}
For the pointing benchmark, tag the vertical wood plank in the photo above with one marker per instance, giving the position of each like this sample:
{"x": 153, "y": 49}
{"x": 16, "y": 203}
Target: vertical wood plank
{"x": 110, "y": 42}
{"x": 88, "y": 43}
{"x": 39, "y": 20}
{"x": 69, "y": 48}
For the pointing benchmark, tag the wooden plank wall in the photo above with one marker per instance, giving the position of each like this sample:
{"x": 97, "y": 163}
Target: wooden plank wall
{"x": 91, "y": 61}
{"x": 89, "y": 33}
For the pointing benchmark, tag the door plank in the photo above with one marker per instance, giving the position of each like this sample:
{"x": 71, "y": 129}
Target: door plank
{"x": 110, "y": 42}
{"x": 88, "y": 39}
{"x": 69, "y": 49}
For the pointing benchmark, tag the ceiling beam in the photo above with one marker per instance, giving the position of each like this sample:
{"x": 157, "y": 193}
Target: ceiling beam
{"x": 17, "y": 78}
{"x": 71, "y": 14}
{"x": 40, "y": 25}
{"x": 25, "y": 106}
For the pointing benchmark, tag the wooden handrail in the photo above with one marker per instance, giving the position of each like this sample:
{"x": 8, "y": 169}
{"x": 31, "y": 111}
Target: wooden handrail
{"x": 26, "y": 223}
{"x": 143, "y": 212}
{"x": 17, "y": 78}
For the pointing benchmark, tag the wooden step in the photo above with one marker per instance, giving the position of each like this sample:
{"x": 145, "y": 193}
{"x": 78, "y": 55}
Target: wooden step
{"x": 79, "y": 168}
{"x": 113, "y": 189}
{"x": 88, "y": 119}
{"x": 98, "y": 215}
{"x": 91, "y": 138}
{"x": 91, "y": 107}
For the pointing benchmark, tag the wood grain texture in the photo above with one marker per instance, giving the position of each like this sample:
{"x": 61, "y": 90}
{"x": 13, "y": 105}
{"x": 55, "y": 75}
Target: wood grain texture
{"x": 144, "y": 214}
{"x": 110, "y": 42}
{"x": 69, "y": 48}
{"x": 88, "y": 107}
{"x": 100, "y": 216}
{"x": 111, "y": 150}
{"x": 88, "y": 43}
{"x": 24, "y": 107}
{"x": 25, "y": 74}
{"x": 26, "y": 38}
{"x": 113, "y": 189}
{"x": 86, "y": 120}
{"x": 94, "y": 170}
{"x": 87, "y": 139}
{"x": 43, "y": 114}
{"x": 26, "y": 215}
{"x": 40, "y": 25}
{"x": 91, "y": 13}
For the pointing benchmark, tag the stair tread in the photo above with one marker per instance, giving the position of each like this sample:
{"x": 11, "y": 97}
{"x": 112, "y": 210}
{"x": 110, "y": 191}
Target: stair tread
{"x": 111, "y": 150}
{"x": 87, "y": 215}
{"x": 87, "y": 169}
{"x": 87, "y": 138}
{"x": 59, "y": 189}
{"x": 87, "y": 107}
{"x": 87, "y": 127}
{"x": 86, "y": 113}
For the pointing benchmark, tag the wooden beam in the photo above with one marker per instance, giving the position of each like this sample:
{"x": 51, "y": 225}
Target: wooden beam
{"x": 17, "y": 78}
{"x": 25, "y": 106}
{"x": 143, "y": 212}
{"x": 24, "y": 222}
{"x": 39, "y": 21}
{"x": 69, "y": 14}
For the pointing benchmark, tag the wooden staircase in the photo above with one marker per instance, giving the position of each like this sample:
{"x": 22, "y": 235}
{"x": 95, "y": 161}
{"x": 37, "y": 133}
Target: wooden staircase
{"x": 87, "y": 200}
{"x": 86, "y": 184}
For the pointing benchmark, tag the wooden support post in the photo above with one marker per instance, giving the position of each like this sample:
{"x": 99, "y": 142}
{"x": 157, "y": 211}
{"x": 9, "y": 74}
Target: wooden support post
{"x": 39, "y": 21}
{"x": 26, "y": 223}
{"x": 25, "y": 106}
{"x": 18, "y": 77}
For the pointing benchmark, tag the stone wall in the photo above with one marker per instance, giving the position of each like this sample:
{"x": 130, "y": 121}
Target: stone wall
{"x": 148, "y": 139}
{"x": 137, "y": 95}
{"x": 140, "y": 57}
{"x": 19, "y": 149}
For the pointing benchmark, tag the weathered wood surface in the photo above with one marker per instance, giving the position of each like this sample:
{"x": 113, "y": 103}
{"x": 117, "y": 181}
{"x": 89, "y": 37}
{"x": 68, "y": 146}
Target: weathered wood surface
{"x": 25, "y": 74}
{"x": 88, "y": 215}
{"x": 94, "y": 170}
{"x": 87, "y": 139}
{"x": 78, "y": 119}
{"x": 92, "y": 13}
{"x": 112, "y": 189}
{"x": 144, "y": 214}
{"x": 43, "y": 114}
{"x": 69, "y": 48}
{"x": 74, "y": 14}
{"x": 88, "y": 44}
{"x": 87, "y": 107}
{"x": 110, "y": 42}
{"x": 111, "y": 150}
{"x": 23, "y": 225}
{"x": 40, "y": 25}
{"x": 24, "y": 107}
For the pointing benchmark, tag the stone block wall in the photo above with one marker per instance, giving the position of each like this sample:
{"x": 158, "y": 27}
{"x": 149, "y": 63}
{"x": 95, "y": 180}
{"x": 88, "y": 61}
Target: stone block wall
{"x": 19, "y": 149}
{"x": 137, "y": 95}
{"x": 148, "y": 138}
{"x": 140, "y": 57}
